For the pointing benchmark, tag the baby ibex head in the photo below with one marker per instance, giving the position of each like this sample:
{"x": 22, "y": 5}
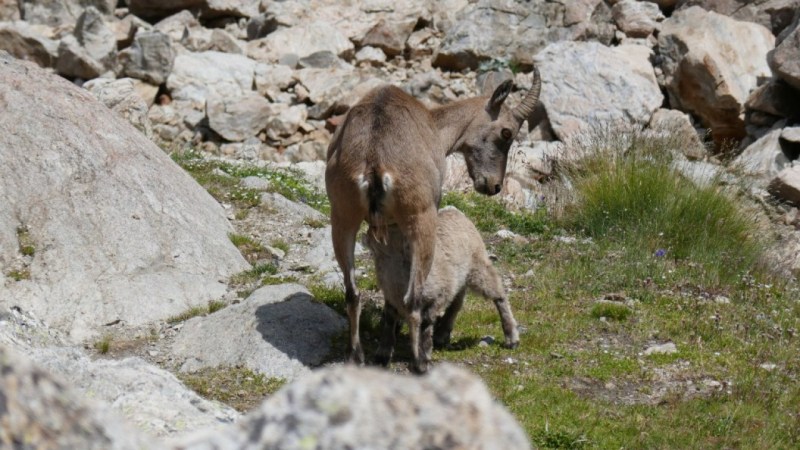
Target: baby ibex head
{"x": 491, "y": 133}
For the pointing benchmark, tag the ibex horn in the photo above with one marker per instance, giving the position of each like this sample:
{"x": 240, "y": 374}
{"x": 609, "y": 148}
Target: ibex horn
{"x": 525, "y": 109}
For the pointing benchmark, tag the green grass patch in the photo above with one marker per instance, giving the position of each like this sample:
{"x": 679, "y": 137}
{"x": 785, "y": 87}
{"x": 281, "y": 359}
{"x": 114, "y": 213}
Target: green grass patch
{"x": 490, "y": 215}
{"x": 579, "y": 382}
{"x": 222, "y": 178}
{"x": 238, "y": 387}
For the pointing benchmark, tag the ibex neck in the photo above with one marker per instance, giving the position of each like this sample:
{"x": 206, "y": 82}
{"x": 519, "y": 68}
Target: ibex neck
{"x": 452, "y": 121}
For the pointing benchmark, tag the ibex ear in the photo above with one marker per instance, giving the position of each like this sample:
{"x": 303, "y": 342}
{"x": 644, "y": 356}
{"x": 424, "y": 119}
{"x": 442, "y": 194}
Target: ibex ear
{"x": 498, "y": 97}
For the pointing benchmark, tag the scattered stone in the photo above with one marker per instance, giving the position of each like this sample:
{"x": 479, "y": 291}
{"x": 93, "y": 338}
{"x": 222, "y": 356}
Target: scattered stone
{"x": 237, "y": 118}
{"x": 254, "y": 182}
{"x": 149, "y": 58}
{"x": 389, "y": 36}
{"x": 197, "y": 76}
{"x": 661, "y": 349}
{"x": 286, "y": 122}
{"x": 637, "y": 19}
{"x": 786, "y": 185}
{"x": 371, "y": 55}
{"x": 764, "y": 158}
{"x": 300, "y": 41}
{"x": 769, "y": 367}
{"x": 29, "y": 43}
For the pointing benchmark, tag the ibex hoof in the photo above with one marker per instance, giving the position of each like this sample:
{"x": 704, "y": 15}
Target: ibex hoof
{"x": 421, "y": 368}
{"x": 357, "y": 358}
{"x": 511, "y": 345}
{"x": 382, "y": 359}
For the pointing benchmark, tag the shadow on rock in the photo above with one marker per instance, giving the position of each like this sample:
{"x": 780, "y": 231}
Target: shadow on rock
{"x": 299, "y": 327}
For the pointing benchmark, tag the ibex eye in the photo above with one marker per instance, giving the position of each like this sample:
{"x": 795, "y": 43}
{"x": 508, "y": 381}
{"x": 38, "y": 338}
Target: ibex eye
{"x": 506, "y": 133}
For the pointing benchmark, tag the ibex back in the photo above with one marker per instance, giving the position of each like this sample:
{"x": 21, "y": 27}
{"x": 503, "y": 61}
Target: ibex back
{"x": 385, "y": 165}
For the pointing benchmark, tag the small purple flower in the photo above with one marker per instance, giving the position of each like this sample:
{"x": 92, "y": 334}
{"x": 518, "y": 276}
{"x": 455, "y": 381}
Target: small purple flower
{"x": 660, "y": 253}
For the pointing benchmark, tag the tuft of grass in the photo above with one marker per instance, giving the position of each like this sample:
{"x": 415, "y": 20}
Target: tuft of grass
{"x": 627, "y": 193}
{"x": 315, "y": 223}
{"x": 610, "y": 310}
{"x": 19, "y": 274}
{"x": 238, "y": 387}
{"x": 103, "y": 345}
{"x": 490, "y": 215}
{"x": 196, "y": 311}
{"x": 254, "y": 274}
{"x": 26, "y": 246}
{"x": 281, "y": 245}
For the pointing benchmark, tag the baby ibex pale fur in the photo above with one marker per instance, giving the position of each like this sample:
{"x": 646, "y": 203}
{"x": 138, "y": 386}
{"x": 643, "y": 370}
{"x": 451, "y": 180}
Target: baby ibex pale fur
{"x": 459, "y": 263}
{"x": 386, "y": 163}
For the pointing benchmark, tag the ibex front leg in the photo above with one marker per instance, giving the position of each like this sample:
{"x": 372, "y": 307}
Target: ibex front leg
{"x": 344, "y": 230}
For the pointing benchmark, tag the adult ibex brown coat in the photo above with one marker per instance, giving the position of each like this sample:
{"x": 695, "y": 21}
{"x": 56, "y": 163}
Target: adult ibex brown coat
{"x": 385, "y": 165}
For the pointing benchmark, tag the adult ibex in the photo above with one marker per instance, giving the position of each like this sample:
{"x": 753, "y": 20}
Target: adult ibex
{"x": 385, "y": 165}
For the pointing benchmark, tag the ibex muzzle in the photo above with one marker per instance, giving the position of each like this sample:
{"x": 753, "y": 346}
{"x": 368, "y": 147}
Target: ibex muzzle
{"x": 386, "y": 164}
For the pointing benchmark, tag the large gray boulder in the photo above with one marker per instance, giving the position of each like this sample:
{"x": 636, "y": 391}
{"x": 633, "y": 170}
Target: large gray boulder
{"x": 773, "y": 14}
{"x": 41, "y": 411}
{"x": 510, "y": 31}
{"x": 708, "y": 76}
{"x": 586, "y": 85}
{"x": 279, "y": 331}
{"x": 113, "y": 229}
{"x": 367, "y": 408}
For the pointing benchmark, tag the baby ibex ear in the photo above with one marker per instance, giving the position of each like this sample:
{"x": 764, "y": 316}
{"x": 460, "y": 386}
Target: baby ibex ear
{"x": 498, "y": 97}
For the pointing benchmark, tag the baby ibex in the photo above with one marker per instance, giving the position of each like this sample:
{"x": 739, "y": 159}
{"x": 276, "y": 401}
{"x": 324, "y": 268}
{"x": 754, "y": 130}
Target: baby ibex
{"x": 385, "y": 165}
{"x": 459, "y": 263}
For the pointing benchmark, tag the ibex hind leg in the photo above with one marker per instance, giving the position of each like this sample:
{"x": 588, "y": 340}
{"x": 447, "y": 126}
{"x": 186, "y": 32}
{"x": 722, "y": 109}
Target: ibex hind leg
{"x": 344, "y": 232}
{"x": 390, "y": 328}
{"x": 420, "y": 230}
{"x": 444, "y": 325}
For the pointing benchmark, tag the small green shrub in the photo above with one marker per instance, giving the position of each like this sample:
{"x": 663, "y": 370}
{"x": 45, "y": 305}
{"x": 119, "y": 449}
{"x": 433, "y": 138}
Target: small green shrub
{"x": 239, "y": 387}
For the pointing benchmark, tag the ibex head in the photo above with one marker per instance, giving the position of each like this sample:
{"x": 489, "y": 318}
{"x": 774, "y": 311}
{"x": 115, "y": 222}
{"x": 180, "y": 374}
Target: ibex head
{"x": 488, "y": 138}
